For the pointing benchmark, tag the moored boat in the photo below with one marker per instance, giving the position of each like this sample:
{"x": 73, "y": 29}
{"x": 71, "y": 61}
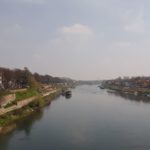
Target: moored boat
{"x": 66, "y": 92}
{"x": 101, "y": 87}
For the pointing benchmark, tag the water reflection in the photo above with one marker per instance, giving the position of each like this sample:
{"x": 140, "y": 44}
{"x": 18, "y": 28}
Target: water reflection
{"x": 4, "y": 141}
{"x": 68, "y": 96}
{"x": 131, "y": 97}
{"x": 25, "y": 125}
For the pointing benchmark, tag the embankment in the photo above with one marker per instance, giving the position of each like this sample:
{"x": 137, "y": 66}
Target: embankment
{"x": 24, "y": 108}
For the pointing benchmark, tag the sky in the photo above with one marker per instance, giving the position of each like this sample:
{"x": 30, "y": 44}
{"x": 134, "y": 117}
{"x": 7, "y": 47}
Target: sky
{"x": 80, "y": 39}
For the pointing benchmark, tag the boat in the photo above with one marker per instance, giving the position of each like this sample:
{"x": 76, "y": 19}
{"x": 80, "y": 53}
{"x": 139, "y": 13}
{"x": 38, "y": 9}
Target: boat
{"x": 66, "y": 92}
{"x": 111, "y": 91}
{"x": 68, "y": 96}
{"x": 101, "y": 87}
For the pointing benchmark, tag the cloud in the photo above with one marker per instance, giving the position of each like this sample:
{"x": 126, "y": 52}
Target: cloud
{"x": 77, "y": 29}
{"x": 77, "y": 34}
{"x": 74, "y": 36}
{"x": 134, "y": 22}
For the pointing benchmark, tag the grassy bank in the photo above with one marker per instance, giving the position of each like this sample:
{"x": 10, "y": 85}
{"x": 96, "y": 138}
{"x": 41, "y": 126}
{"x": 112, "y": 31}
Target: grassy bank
{"x": 26, "y": 94}
{"x": 14, "y": 116}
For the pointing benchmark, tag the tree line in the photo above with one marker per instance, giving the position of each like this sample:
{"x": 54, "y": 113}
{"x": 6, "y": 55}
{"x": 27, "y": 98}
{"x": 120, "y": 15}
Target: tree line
{"x": 21, "y": 78}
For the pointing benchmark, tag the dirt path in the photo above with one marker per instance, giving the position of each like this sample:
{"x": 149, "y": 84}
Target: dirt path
{"x": 23, "y": 103}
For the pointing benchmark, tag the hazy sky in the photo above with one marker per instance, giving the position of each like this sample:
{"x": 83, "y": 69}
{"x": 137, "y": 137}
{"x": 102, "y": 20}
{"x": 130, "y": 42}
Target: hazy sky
{"x": 81, "y": 39}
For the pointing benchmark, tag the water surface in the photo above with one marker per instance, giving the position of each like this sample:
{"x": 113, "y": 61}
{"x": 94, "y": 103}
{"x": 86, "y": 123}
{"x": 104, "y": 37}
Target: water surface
{"x": 91, "y": 119}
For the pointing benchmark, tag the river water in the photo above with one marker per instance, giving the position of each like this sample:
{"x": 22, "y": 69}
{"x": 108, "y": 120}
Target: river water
{"x": 92, "y": 119}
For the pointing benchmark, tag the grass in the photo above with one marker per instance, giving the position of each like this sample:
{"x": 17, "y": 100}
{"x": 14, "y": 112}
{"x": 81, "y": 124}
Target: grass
{"x": 16, "y": 115}
{"x": 26, "y": 94}
{"x": 10, "y": 104}
{"x": 4, "y": 92}
{"x": 12, "y": 117}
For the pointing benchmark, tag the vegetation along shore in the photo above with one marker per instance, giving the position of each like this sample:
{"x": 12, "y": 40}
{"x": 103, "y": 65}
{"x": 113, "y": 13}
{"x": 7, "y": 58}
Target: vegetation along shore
{"x": 137, "y": 86}
{"x": 23, "y": 93}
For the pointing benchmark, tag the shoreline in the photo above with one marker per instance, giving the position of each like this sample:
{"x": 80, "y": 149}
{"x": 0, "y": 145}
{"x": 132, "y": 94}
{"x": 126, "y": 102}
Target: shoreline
{"x": 129, "y": 95}
{"x": 26, "y": 112}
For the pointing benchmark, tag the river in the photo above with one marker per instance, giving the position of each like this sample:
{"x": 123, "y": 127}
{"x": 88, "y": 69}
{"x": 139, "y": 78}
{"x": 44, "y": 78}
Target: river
{"x": 92, "y": 119}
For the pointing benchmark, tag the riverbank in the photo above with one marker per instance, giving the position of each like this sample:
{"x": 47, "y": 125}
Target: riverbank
{"x": 122, "y": 90}
{"x": 9, "y": 120}
{"x": 138, "y": 86}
